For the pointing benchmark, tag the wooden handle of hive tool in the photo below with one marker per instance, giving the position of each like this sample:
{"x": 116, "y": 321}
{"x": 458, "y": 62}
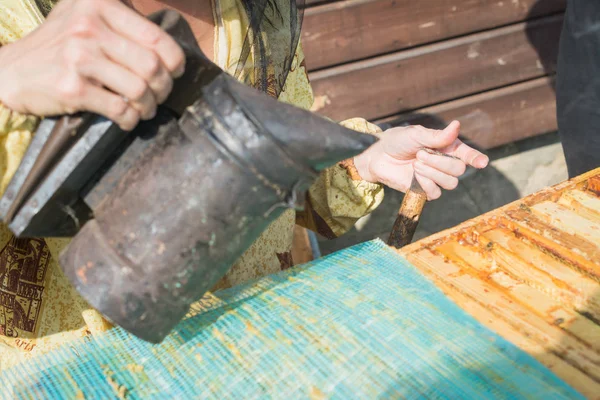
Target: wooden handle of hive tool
{"x": 408, "y": 216}
{"x": 410, "y": 211}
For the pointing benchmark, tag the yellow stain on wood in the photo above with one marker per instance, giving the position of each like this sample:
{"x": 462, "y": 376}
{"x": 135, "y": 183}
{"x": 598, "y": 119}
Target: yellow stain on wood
{"x": 586, "y": 204}
{"x": 530, "y": 271}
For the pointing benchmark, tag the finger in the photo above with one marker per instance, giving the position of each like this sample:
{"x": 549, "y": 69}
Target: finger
{"x": 447, "y": 165}
{"x": 130, "y": 24}
{"x": 436, "y": 139}
{"x": 123, "y": 82}
{"x": 109, "y": 105}
{"x": 141, "y": 61}
{"x": 441, "y": 179}
{"x": 432, "y": 190}
{"x": 469, "y": 155}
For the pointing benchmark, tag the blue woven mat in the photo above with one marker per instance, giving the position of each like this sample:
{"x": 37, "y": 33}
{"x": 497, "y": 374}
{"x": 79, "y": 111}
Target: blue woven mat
{"x": 360, "y": 324}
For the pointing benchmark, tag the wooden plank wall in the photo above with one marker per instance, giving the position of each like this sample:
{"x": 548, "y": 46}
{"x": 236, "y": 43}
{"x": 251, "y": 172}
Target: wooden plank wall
{"x": 489, "y": 64}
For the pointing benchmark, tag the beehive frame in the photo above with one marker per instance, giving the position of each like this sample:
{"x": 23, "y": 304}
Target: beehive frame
{"x": 530, "y": 271}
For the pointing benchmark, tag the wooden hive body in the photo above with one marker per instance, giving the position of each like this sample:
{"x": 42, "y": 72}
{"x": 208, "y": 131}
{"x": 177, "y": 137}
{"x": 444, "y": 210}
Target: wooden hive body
{"x": 530, "y": 271}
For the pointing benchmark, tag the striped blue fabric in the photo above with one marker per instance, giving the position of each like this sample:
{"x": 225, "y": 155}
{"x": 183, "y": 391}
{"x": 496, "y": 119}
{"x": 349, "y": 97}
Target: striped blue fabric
{"x": 362, "y": 323}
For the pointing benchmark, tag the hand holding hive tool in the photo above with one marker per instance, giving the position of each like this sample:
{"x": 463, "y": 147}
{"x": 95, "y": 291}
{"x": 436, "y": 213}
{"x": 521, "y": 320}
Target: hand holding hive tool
{"x": 410, "y": 210}
{"x": 155, "y": 214}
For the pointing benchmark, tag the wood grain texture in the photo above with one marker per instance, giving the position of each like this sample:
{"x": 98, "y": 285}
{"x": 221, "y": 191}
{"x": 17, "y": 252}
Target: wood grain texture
{"x": 493, "y": 118}
{"x": 345, "y": 31}
{"x": 573, "y": 376}
{"x": 408, "y": 217}
{"x": 531, "y": 272}
{"x": 436, "y": 73}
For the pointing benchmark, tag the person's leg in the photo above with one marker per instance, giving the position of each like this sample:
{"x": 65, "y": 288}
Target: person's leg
{"x": 578, "y": 86}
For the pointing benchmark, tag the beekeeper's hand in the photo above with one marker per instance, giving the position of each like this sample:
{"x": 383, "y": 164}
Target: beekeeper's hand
{"x": 91, "y": 55}
{"x": 393, "y": 159}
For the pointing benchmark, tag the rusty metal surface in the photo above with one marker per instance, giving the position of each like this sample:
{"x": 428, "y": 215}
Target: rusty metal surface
{"x": 531, "y": 272}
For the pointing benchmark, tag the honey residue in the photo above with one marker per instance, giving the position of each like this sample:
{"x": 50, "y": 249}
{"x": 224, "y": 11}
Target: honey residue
{"x": 120, "y": 390}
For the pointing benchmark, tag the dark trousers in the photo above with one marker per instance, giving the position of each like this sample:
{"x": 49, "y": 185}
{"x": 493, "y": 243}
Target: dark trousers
{"x": 578, "y": 86}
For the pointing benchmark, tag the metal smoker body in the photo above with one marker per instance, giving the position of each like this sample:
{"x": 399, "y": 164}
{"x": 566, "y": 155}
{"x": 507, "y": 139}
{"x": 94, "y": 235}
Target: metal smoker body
{"x": 160, "y": 214}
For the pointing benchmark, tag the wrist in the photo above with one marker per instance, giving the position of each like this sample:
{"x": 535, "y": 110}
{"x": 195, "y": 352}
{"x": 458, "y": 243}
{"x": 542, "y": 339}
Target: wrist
{"x": 361, "y": 165}
{"x": 7, "y": 84}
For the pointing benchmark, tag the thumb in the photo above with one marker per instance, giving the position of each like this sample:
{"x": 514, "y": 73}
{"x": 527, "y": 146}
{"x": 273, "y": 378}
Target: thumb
{"x": 436, "y": 139}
